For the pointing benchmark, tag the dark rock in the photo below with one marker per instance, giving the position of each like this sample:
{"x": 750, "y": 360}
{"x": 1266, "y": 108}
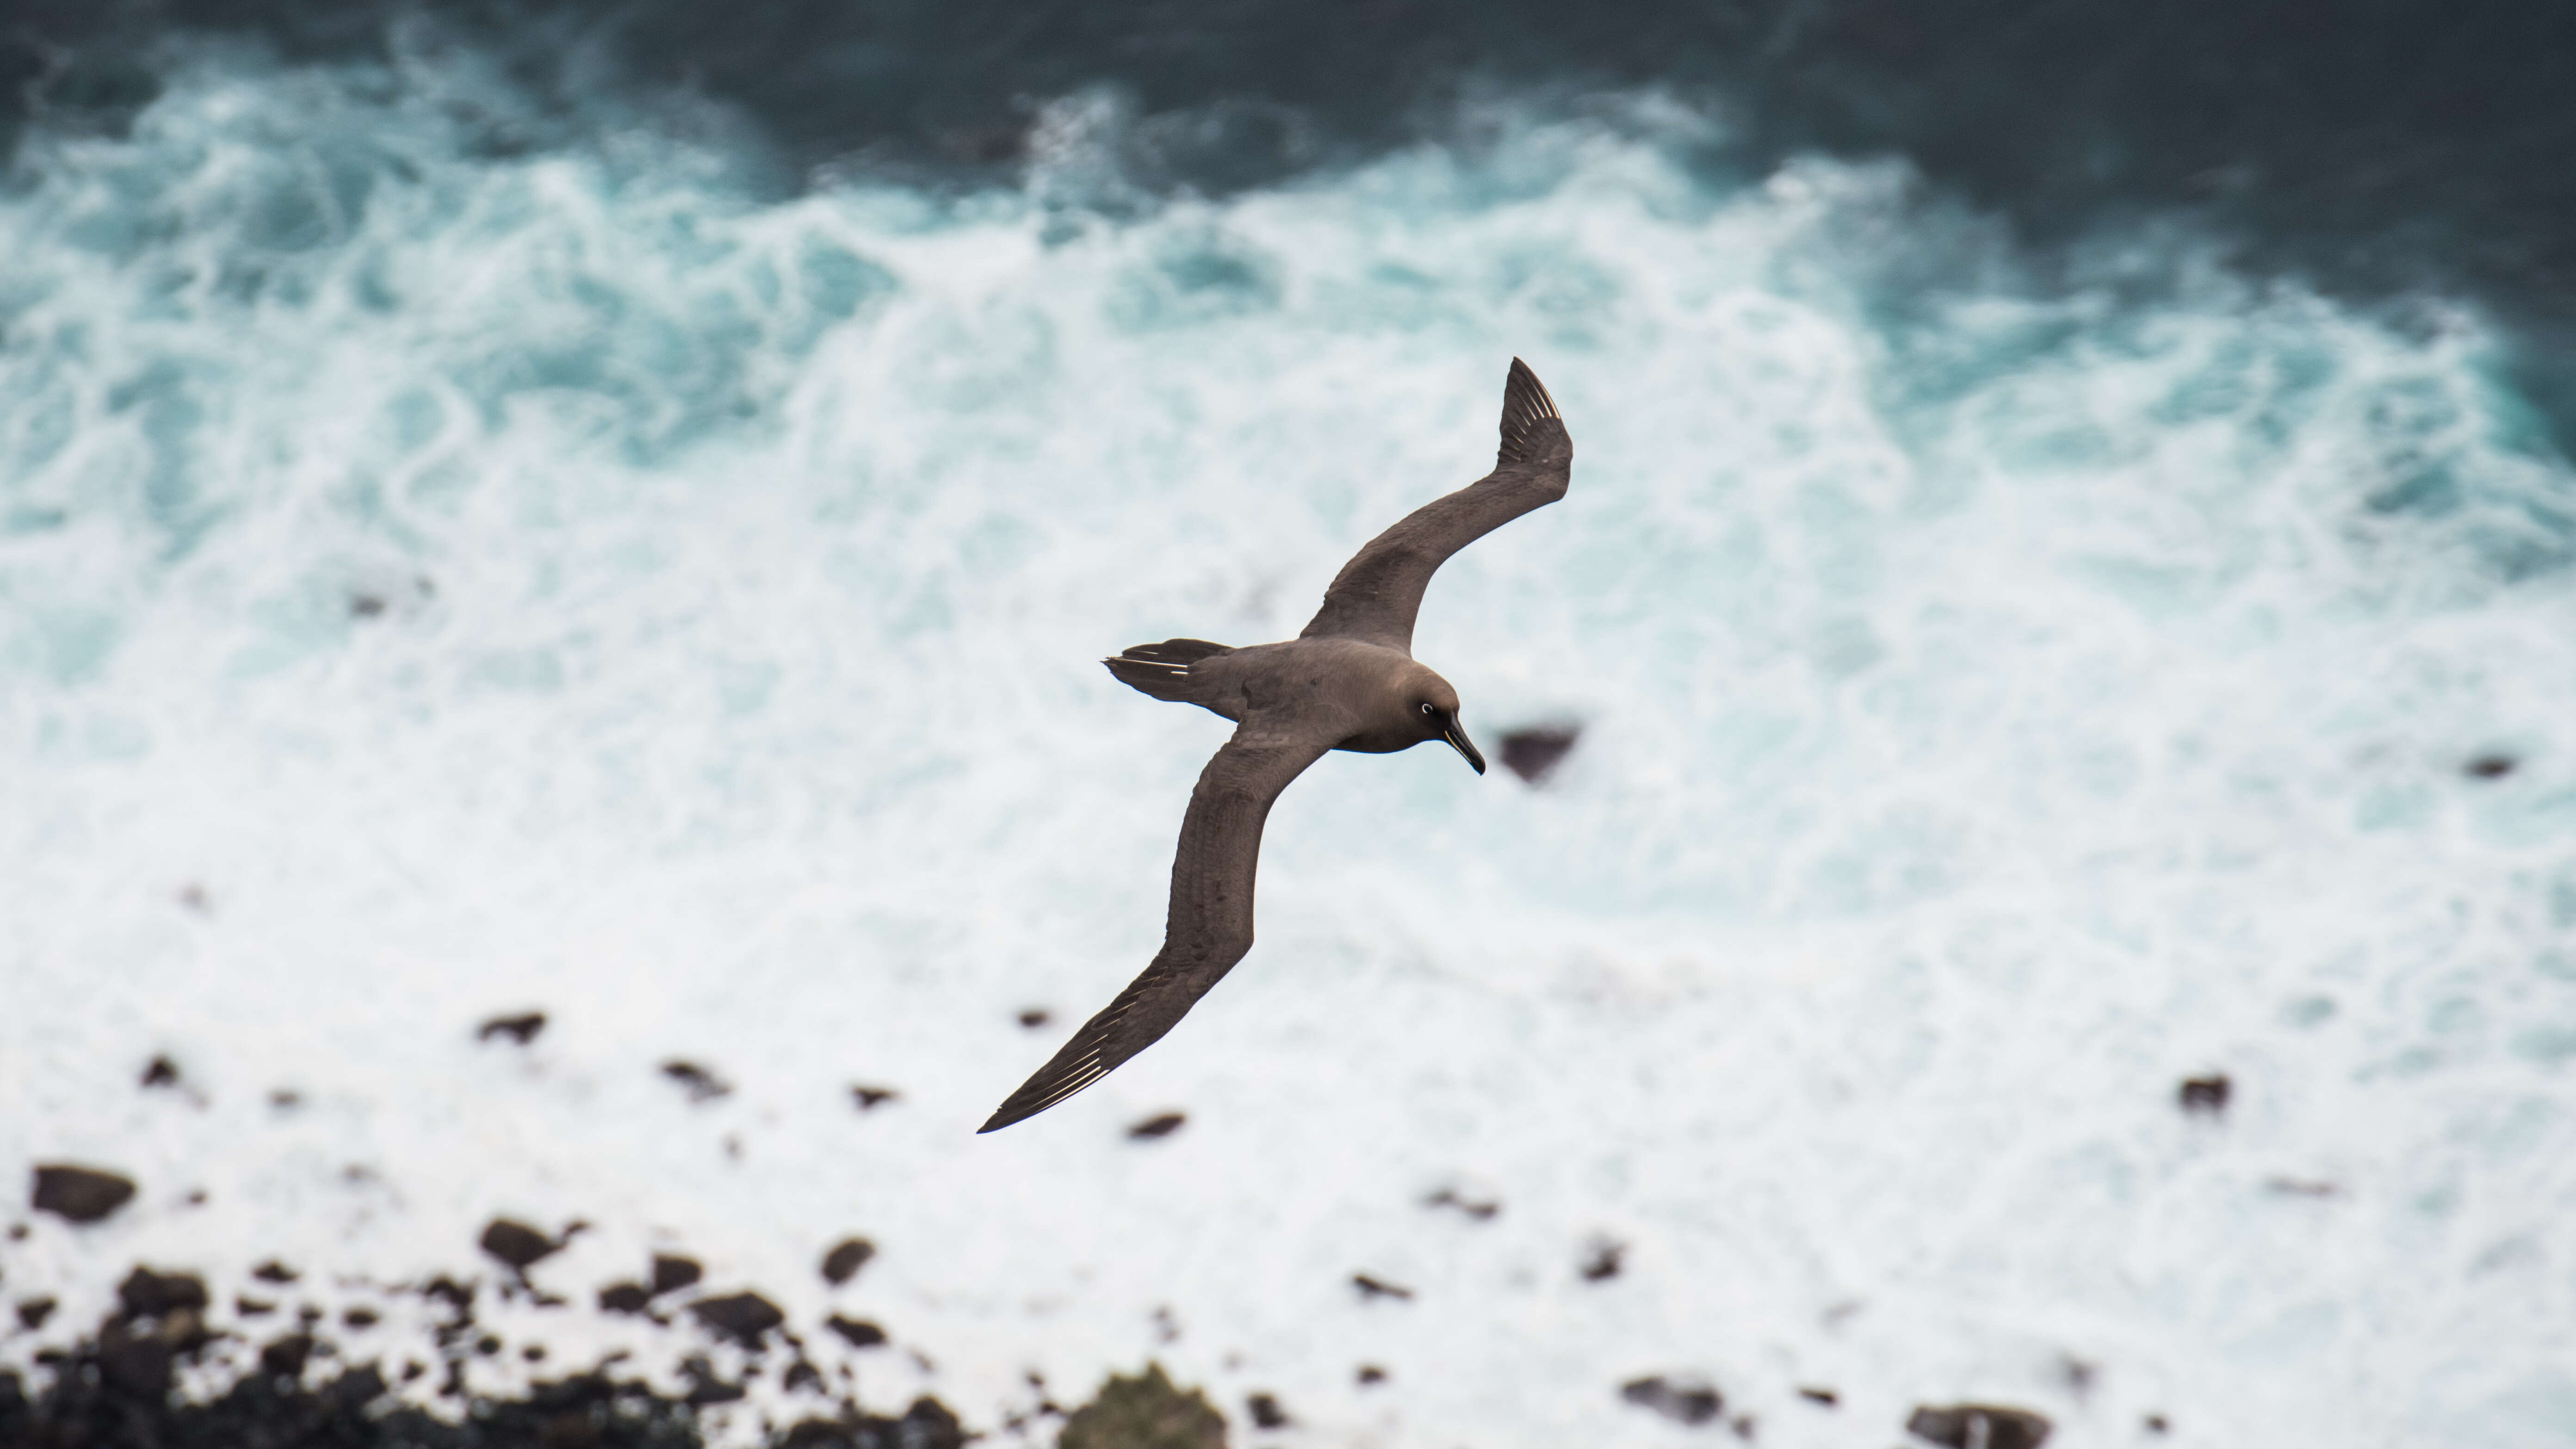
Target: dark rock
{"x": 366, "y": 606}
{"x": 1483, "y": 1212}
{"x": 161, "y": 1072}
{"x": 1685, "y": 1401}
{"x": 146, "y": 1294}
{"x": 359, "y": 1318}
{"x": 522, "y": 1028}
{"x": 33, "y": 1312}
{"x": 871, "y": 1098}
{"x": 2157, "y": 1424}
{"x": 459, "y": 1296}
{"x": 1826, "y": 1397}
{"x": 742, "y": 1317}
{"x": 355, "y": 1389}
{"x": 285, "y": 1099}
{"x": 624, "y": 1298}
{"x": 2205, "y": 1094}
{"x": 1979, "y": 1426}
{"x": 138, "y": 1364}
{"x": 1265, "y": 1412}
{"x": 1033, "y": 1017}
{"x": 515, "y": 1243}
{"x": 286, "y": 1356}
{"x": 846, "y": 1259}
{"x": 1162, "y": 1124}
{"x": 926, "y": 1425}
{"x": 253, "y": 1307}
{"x": 802, "y": 1376}
{"x": 273, "y": 1271}
{"x": 859, "y": 1332}
{"x": 1604, "y": 1262}
{"x": 671, "y": 1272}
{"x": 81, "y": 1194}
{"x": 1368, "y": 1374}
{"x": 487, "y": 1345}
{"x": 1532, "y": 753}
{"x": 2489, "y": 767}
{"x": 704, "y": 1386}
{"x": 1379, "y": 1288}
{"x": 1144, "y": 1412}
{"x": 701, "y": 1085}
{"x": 533, "y": 1353}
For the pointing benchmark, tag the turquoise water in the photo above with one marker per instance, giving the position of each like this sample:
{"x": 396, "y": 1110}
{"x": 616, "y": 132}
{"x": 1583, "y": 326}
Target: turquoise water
{"x": 493, "y": 569}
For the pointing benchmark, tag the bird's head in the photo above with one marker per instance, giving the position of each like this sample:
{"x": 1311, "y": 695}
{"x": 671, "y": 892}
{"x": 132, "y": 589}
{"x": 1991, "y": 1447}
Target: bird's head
{"x": 1431, "y": 708}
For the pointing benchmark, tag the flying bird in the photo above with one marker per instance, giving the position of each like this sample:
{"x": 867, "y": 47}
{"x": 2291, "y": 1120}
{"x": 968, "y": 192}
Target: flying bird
{"x": 1348, "y": 682}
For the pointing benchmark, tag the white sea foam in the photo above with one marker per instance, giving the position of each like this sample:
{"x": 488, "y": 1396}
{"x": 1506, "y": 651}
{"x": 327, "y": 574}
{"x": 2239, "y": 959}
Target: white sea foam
{"x": 1999, "y": 701}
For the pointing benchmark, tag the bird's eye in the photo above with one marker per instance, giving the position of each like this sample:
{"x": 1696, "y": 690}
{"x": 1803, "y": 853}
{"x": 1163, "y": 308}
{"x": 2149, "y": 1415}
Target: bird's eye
{"x": 1426, "y": 709}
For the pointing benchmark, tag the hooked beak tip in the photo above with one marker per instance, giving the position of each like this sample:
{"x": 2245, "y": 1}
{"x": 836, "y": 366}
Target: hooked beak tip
{"x": 1458, "y": 740}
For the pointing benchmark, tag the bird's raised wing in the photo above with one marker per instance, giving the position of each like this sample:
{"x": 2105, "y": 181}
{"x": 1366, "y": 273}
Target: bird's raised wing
{"x": 1210, "y": 926}
{"x": 1378, "y": 592}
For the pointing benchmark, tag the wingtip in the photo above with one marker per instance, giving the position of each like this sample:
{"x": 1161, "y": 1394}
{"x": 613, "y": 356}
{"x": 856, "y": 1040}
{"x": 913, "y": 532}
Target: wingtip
{"x": 1528, "y": 412}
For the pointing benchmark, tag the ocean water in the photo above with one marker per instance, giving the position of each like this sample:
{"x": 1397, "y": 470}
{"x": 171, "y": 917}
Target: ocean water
{"x": 454, "y": 560}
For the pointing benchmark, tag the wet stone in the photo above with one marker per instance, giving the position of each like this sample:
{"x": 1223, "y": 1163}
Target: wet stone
{"x": 359, "y": 1318}
{"x": 2205, "y": 1096}
{"x": 1979, "y": 1426}
{"x": 1160, "y": 1125}
{"x": 1533, "y": 754}
{"x": 161, "y": 1072}
{"x": 1033, "y": 1017}
{"x": 846, "y": 1259}
{"x": 146, "y": 1294}
{"x": 1480, "y": 1211}
{"x": 1604, "y": 1262}
{"x": 1826, "y": 1397}
{"x": 140, "y": 1366}
{"x": 701, "y": 1085}
{"x": 624, "y": 1298}
{"x": 742, "y": 1317}
{"x": 1369, "y": 1374}
{"x": 273, "y": 1271}
{"x": 1145, "y": 1411}
{"x": 871, "y": 1098}
{"x": 1684, "y": 1401}
{"x": 79, "y": 1194}
{"x": 515, "y": 1243}
{"x": 33, "y": 1313}
{"x": 286, "y": 1357}
{"x": 858, "y": 1332}
{"x": 704, "y": 1385}
{"x": 521, "y": 1028}
{"x": 1265, "y": 1412}
{"x": 671, "y": 1272}
{"x": 253, "y": 1307}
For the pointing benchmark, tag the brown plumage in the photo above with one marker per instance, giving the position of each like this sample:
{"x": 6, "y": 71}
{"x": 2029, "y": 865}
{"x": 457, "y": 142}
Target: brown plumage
{"x": 1349, "y": 682}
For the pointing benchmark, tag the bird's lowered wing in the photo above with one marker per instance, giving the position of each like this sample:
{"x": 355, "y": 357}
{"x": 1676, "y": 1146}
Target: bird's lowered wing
{"x": 1210, "y": 926}
{"x": 1378, "y": 592}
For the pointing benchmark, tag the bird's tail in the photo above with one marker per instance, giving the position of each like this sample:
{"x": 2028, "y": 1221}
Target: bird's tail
{"x": 1163, "y": 670}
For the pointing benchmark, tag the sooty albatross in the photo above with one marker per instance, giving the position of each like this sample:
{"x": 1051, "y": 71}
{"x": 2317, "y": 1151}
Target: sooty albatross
{"x": 1349, "y": 682}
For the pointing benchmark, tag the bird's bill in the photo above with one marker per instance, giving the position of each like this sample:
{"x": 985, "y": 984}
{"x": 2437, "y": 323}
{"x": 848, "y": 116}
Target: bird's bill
{"x": 1456, "y": 735}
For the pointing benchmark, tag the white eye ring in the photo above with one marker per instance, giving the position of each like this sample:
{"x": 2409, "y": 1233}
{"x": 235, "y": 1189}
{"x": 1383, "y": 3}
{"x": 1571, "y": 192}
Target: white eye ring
{"x": 1427, "y": 709}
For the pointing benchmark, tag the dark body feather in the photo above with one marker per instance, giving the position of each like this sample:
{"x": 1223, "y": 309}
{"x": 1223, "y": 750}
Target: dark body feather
{"x": 1349, "y": 682}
